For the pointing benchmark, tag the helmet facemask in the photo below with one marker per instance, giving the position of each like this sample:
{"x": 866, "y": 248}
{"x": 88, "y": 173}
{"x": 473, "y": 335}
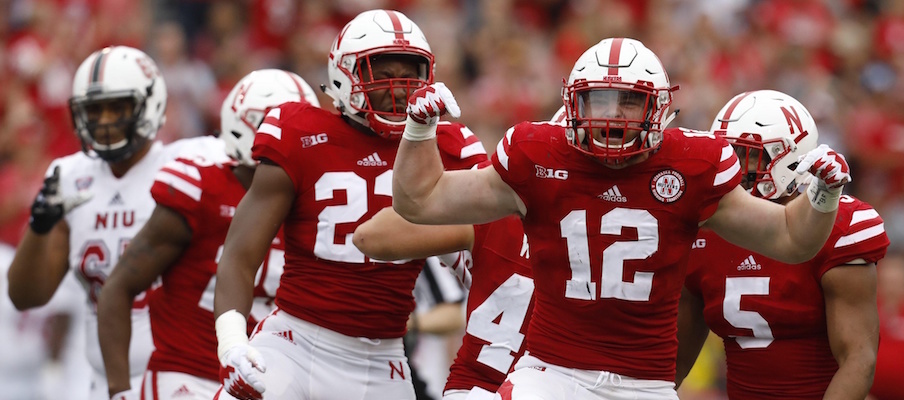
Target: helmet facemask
{"x": 380, "y": 98}
{"x": 759, "y": 160}
{"x": 623, "y": 120}
{"x": 111, "y": 141}
{"x": 355, "y": 73}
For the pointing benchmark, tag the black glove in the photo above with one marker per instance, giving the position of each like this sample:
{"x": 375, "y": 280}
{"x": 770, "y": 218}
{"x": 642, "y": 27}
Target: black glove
{"x": 49, "y": 207}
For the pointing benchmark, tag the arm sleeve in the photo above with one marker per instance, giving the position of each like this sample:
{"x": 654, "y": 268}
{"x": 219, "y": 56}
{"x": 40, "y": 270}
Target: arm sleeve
{"x": 862, "y": 236}
{"x": 178, "y": 186}
{"x": 727, "y": 175}
{"x": 459, "y": 147}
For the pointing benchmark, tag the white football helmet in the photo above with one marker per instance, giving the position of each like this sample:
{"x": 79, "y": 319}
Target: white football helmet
{"x": 118, "y": 73}
{"x": 768, "y": 130}
{"x": 248, "y": 103}
{"x": 617, "y": 71}
{"x": 371, "y": 34}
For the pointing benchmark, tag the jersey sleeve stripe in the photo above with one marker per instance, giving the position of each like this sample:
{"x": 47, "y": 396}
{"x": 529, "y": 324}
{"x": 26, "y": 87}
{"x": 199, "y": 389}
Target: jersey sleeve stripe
{"x": 726, "y": 153}
{"x": 863, "y": 215}
{"x": 726, "y": 175}
{"x": 176, "y": 182}
{"x": 472, "y": 150}
{"x": 178, "y": 167}
{"x": 502, "y": 148}
{"x": 271, "y": 130}
{"x": 860, "y": 236}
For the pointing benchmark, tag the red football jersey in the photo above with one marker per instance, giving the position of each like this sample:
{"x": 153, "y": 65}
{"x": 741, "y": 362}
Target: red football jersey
{"x": 608, "y": 246}
{"x": 182, "y": 323}
{"x": 499, "y": 305}
{"x": 342, "y": 177}
{"x": 771, "y": 315}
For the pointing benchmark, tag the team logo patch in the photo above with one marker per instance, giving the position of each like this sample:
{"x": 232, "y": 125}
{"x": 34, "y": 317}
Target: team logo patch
{"x": 83, "y": 182}
{"x": 667, "y": 186}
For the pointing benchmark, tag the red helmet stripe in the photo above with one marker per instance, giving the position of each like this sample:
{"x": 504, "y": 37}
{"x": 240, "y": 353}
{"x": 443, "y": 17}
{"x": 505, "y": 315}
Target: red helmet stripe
{"x": 731, "y": 108}
{"x": 614, "y": 55}
{"x": 396, "y": 24}
{"x": 297, "y": 86}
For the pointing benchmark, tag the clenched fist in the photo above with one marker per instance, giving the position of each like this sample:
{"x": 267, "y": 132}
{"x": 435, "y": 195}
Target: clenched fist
{"x": 425, "y": 106}
{"x": 830, "y": 171}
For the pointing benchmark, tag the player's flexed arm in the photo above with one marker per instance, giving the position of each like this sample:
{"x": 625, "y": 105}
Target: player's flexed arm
{"x": 422, "y": 192}
{"x": 794, "y": 233}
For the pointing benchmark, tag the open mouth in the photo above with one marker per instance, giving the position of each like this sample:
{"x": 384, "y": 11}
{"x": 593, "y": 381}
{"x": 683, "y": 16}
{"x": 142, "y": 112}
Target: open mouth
{"x": 616, "y": 136}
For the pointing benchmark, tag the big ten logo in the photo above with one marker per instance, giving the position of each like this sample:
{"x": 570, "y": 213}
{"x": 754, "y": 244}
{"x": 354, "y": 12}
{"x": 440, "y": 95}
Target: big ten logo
{"x": 308, "y": 141}
{"x": 543, "y": 172}
{"x": 698, "y": 244}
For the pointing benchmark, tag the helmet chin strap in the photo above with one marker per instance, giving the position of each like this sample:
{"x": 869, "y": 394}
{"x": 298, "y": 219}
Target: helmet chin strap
{"x": 668, "y": 120}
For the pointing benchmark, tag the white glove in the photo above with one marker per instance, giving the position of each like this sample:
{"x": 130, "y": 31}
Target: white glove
{"x": 425, "y": 106}
{"x": 239, "y": 362}
{"x": 460, "y": 263}
{"x": 238, "y": 372}
{"x": 126, "y": 395}
{"x": 830, "y": 171}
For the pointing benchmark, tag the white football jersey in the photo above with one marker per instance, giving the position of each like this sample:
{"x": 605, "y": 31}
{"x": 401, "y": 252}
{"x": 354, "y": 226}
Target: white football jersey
{"x": 101, "y": 228}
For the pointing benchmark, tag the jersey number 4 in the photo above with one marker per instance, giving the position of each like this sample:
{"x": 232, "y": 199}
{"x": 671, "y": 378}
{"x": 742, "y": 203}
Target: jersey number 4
{"x": 499, "y": 319}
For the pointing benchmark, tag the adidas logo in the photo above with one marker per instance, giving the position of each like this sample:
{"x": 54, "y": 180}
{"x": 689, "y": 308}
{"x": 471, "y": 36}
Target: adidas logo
{"x": 749, "y": 265}
{"x": 182, "y": 391}
{"x": 117, "y": 200}
{"x": 285, "y": 335}
{"x": 372, "y": 160}
{"x": 613, "y": 195}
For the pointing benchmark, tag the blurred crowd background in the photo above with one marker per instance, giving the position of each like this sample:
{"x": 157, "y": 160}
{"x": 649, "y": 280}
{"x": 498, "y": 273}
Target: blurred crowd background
{"x": 503, "y": 59}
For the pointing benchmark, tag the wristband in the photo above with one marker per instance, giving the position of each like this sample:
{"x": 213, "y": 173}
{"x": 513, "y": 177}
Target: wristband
{"x": 418, "y": 132}
{"x": 230, "y": 327}
{"x": 823, "y": 199}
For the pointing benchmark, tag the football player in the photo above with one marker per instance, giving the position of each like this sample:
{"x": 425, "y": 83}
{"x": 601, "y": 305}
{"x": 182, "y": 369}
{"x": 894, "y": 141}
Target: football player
{"x": 180, "y": 243}
{"x": 93, "y": 202}
{"x": 337, "y": 331}
{"x": 610, "y": 203}
{"x": 805, "y": 331}
{"x": 492, "y": 262}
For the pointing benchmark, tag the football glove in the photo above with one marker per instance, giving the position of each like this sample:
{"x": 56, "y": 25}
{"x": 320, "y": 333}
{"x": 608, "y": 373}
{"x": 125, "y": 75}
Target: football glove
{"x": 239, "y": 362}
{"x": 830, "y": 171}
{"x": 425, "y": 106}
{"x": 49, "y": 207}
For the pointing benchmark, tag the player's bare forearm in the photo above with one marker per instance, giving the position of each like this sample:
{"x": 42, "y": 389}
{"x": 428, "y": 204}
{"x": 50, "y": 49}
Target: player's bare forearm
{"x": 792, "y": 234}
{"x": 853, "y": 327}
{"x": 114, "y": 314}
{"x": 258, "y": 218}
{"x": 389, "y": 237}
{"x": 159, "y": 243}
{"x": 808, "y": 228}
{"x": 692, "y": 333}
{"x": 418, "y": 167}
{"x": 40, "y": 263}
